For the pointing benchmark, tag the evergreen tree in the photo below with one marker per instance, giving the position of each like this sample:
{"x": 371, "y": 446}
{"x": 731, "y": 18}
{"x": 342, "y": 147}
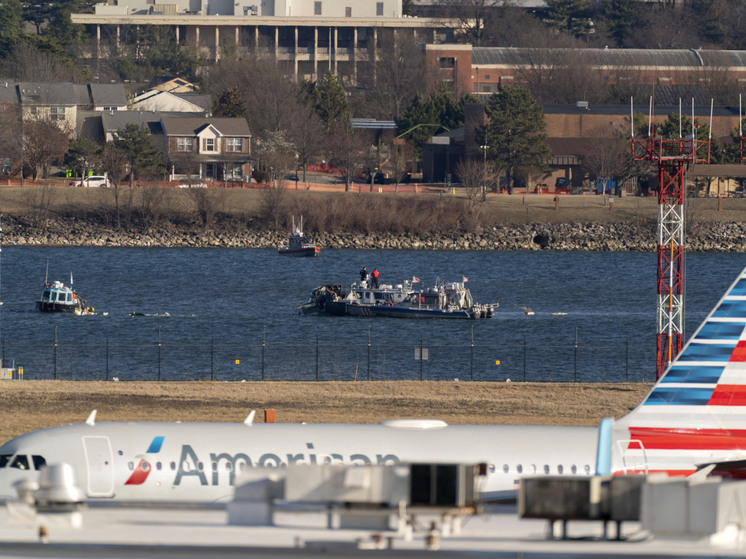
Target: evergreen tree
{"x": 230, "y": 104}
{"x": 11, "y": 25}
{"x": 143, "y": 155}
{"x": 515, "y": 132}
{"x": 427, "y": 116}
{"x": 621, "y": 18}
{"x": 331, "y": 103}
{"x": 569, "y": 15}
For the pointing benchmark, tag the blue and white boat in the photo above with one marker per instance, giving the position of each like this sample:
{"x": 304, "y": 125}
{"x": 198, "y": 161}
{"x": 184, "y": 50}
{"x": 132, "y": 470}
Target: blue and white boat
{"x": 58, "y": 297}
{"x": 444, "y": 300}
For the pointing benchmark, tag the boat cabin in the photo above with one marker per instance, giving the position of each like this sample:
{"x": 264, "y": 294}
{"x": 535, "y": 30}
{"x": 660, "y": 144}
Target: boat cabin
{"x": 384, "y": 295}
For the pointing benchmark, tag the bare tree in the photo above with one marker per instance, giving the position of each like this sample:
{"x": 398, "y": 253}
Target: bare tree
{"x": 40, "y": 200}
{"x": 347, "y": 151}
{"x": 27, "y": 63}
{"x": 206, "y": 202}
{"x": 471, "y": 14}
{"x": 114, "y": 162}
{"x": 475, "y": 177}
{"x": 387, "y": 75}
{"x": 10, "y": 144}
{"x": 43, "y": 143}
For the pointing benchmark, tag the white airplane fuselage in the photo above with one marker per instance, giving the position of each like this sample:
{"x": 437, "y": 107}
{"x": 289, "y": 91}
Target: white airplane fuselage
{"x": 199, "y": 462}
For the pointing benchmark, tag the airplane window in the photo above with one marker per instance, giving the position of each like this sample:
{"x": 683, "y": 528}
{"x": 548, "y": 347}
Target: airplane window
{"x": 546, "y": 468}
{"x": 130, "y": 466}
{"x": 506, "y": 468}
{"x": 4, "y": 459}
{"x": 532, "y": 468}
{"x": 20, "y": 462}
{"x": 39, "y": 461}
{"x": 574, "y": 469}
{"x": 560, "y": 469}
{"x": 172, "y": 465}
{"x": 519, "y": 468}
{"x": 158, "y": 466}
{"x": 587, "y": 469}
{"x": 145, "y": 465}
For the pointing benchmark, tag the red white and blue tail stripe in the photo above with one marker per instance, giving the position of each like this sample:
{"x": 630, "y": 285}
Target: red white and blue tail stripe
{"x": 696, "y": 413}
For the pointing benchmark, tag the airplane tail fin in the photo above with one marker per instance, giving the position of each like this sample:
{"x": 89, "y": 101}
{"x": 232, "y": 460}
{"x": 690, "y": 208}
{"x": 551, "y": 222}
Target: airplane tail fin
{"x": 696, "y": 413}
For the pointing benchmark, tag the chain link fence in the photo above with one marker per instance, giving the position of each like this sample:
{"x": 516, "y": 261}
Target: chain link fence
{"x": 322, "y": 359}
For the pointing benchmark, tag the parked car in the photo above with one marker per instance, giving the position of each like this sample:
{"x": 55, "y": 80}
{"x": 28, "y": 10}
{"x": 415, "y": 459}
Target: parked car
{"x": 93, "y": 180}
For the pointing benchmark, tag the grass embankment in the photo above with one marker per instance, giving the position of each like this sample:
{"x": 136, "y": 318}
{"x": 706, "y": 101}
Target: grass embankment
{"x": 433, "y": 211}
{"x": 29, "y": 405}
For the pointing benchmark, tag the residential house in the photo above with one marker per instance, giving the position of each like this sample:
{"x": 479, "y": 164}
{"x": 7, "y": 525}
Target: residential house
{"x": 208, "y": 148}
{"x": 165, "y": 101}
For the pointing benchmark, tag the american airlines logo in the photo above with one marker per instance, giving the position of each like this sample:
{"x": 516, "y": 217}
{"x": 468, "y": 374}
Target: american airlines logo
{"x": 142, "y": 470}
{"x": 190, "y": 461}
{"x": 191, "y": 465}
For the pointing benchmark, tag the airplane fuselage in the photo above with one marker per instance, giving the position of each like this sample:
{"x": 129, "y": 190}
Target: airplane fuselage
{"x": 200, "y": 462}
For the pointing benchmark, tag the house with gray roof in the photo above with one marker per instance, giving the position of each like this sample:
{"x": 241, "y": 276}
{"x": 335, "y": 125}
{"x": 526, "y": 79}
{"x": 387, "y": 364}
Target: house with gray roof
{"x": 206, "y": 147}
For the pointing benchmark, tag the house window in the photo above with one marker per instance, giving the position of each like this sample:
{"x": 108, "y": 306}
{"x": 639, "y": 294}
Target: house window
{"x": 209, "y": 144}
{"x": 233, "y": 144}
{"x": 184, "y": 144}
{"x": 447, "y": 62}
{"x": 110, "y": 108}
{"x": 379, "y": 8}
{"x": 348, "y": 12}
{"x": 317, "y": 8}
{"x": 57, "y": 113}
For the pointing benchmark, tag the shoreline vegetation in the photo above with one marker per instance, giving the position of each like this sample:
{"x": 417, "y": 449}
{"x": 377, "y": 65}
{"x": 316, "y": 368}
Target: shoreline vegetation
{"x": 433, "y": 220}
{"x": 63, "y": 402}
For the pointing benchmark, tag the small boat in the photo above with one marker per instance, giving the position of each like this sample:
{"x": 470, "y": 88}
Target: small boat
{"x": 58, "y": 297}
{"x": 448, "y": 300}
{"x": 299, "y": 244}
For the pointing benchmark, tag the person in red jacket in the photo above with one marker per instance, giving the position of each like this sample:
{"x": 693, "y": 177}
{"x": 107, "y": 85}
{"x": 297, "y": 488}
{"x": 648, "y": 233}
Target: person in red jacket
{"x": 375, "y": 275}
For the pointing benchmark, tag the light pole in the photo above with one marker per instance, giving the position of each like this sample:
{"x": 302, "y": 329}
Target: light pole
{"x": 484, "y": 171}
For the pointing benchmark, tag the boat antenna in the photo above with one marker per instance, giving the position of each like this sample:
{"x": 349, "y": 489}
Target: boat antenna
{"x": 46, "y": 274}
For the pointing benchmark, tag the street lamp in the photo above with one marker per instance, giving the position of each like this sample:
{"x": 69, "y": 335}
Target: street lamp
{"x": 484, "y": 171}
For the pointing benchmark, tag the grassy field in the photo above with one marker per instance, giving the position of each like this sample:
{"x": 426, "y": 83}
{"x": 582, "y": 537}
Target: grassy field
{"x": 324, "y": 207}
{"x": 29, "y": 405}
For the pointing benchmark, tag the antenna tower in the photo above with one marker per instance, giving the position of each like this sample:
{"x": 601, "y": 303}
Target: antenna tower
{"x": 673, "y": 157}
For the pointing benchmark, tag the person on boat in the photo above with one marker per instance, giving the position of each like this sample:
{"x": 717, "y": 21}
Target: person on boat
{"x": 363, "y": 274}
{"x": 375, "y": 275}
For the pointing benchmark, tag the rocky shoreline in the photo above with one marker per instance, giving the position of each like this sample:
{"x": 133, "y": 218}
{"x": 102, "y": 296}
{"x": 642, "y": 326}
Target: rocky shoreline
{"x": 606, "y": 237}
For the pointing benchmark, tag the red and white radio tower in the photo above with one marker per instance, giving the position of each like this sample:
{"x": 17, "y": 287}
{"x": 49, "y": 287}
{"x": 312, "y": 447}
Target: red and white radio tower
{"x": 673, "y": 157}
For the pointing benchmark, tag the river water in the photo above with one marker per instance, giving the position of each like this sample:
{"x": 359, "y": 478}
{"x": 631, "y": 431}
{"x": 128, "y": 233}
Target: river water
{"x": 230, "y": 314}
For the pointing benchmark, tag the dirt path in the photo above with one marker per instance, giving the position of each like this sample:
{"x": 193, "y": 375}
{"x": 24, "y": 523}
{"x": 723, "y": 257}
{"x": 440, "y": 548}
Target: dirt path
{"x": 29, "y": 405}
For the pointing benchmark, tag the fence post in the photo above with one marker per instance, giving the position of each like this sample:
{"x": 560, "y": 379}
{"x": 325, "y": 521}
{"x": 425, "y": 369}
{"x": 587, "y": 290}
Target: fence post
{"x": 524, "y": 357}
{"x": 471, "y": 372}
{"x": 368, "y": 352}
{"x": 626, "y": 373}
{"x": 264, "y": 345}
{"x": 421, "y": 358}
{"x": 55, "y": 353}
{"x": 212, "y": 358}
{"x": 159, "y": 354}
{"x": 575, "y": 372}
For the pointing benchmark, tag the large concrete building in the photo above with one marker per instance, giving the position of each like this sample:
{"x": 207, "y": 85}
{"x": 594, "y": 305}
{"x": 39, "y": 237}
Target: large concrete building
{"x": 311, "y": 36}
